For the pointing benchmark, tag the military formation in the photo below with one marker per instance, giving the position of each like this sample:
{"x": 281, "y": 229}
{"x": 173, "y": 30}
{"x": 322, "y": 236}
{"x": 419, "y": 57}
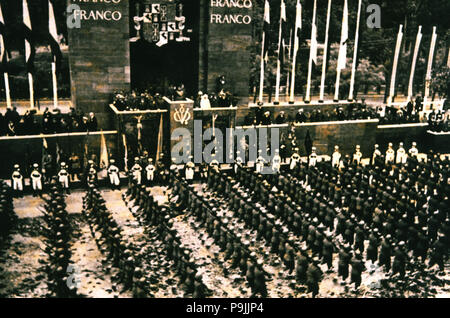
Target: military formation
{"x": 347, "y": 218}
{"x": 57, "y": 230}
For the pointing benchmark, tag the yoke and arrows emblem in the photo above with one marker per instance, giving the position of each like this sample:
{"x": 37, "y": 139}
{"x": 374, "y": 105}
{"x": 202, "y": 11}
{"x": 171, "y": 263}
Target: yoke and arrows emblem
{"x": 182, "y": 115}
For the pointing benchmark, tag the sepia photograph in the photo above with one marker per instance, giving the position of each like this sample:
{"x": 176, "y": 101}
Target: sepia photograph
{"x": 223, "y": 152}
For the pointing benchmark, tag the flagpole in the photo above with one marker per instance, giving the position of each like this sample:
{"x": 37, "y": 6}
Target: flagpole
{"x": 342, "y": 57}
{"x": 30, "y": 82}
{"x": 395, "y": 64}
{"x": 7, "y": 91}
{"x": 294, "y": 57}
{"x": 429, "y": 67}
{"x": 55, "y": 87}
{"x": 413, "y": 64}
{"x": 277, "y": 85}
{"x": 325, "y": 53}
{"x": 308, "y": 84}
{"x": 261, "y": 76}
{"x": 289, "y": 58}
{"x": 355, "y": 55}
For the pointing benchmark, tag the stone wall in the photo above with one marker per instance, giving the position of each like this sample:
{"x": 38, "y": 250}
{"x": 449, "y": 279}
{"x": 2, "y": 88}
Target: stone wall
{"x": 99, "y": 57}
{"x": 228, "y": 45}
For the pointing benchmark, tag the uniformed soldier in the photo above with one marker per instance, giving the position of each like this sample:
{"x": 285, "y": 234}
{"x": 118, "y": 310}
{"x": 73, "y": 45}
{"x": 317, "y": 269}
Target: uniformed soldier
{"x": 312, "y": 158}
{"x": 150, "y": 171}
{"x": 63, "y": 177}
{"x": 401, "y": 155}
{"x": 295, "y": 160}
{"x": 357, "y": 155}
{"x": 376, "y": 154}
{"x": 260, "y": 162}
{"x": 385, "y": 253}
{"x": 136, "y": 171}
{"x": 36, "y": 180}
{"x": 413, "y": 151}
{"x": 313, "y": 277}
{"x": 336, "y": 158}
{"x": 398, "y": 266}
{"x": 113, "y": 174}
{"x": 17, "y": 181}
{"x": 276, "y": 162}
{"x": 357, "y": 269}
{"x": 390, "y": 154}
{"x": 189, "y": 170}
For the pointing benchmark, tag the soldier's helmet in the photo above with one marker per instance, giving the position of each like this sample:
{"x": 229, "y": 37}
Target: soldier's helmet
{"x": 390, "y": 145}
{"x": 314, "y": 149}
{"x": 358, "y": 147}
{"x": 35, "y": 165}
{"x": 336, "y": 148}
{"x": 16, "y": 167}
{"x": 63, "y": 164}
{"x": 112, "y": 161}
{"x": 414, "y": 144}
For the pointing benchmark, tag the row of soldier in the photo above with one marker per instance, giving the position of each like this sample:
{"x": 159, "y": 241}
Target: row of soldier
{"x": 57, "y": 232}
{"x": 158, "y": 224}
{"x": 209, "y": 214}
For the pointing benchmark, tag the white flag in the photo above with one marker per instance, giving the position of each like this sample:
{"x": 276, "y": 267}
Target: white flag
{"x": 298, "y": 24}
{"x": 2, "y": 42}
{"x": 314, "y": 43}
{"x": 342, "y": 59}
{"x": 27, "y": 22}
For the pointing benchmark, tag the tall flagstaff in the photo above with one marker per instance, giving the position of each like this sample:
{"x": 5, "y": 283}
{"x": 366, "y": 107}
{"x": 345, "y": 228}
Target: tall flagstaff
{"x": 429, "y": 67}
{"x": 395, "y": 64}
{"x": 414, "y": 62}
{"x": 312, "y": 53}
{"x": 54, "y": 33}
{"x": 325, "y": 53}
{"x": 28, "y": 61}
{"x": 298, "y": 26}
{"x": 289, "y": 60}
{"x": 280, "y": 59}
{"x": 342, "y": 58}
{"x": 264, "y": 49}
{"x": 355, "y": 54}
{"x": 4, "y": 61}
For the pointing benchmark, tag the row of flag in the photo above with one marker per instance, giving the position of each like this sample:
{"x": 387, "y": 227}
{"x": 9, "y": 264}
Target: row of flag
{"x": 283, "y": 27}
{"x": 342, "y": 56}
{"x": 30, "y": 50}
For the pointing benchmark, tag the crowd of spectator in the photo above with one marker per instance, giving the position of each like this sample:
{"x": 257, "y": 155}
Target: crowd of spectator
{"x": 51, "y": 122}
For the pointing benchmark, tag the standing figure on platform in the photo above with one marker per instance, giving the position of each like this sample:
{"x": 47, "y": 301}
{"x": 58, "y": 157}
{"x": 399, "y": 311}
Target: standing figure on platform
{"x": 113, "y": 174}
{"x": 312, "y": 157}
{"x": 17, "y": 181}
{"x": 401, "y": 155}
{"x": 336, "y": 158}
{"x": 376, "y": 154}
{"x": 136, "y": 171}
{"x": 357, "y": 156}
{"x": 413, "y": 152}
{"x": 92, "y": 122}
{"x": 63, "y": 177}
{"x": 150, "y": 171}
{"x": 189, "y": 170}
{"x": 276, "y": 162}
{"x": 390, "y": 154}
{"x": 295, "y": 159}
{"x": 36, "y": 180}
